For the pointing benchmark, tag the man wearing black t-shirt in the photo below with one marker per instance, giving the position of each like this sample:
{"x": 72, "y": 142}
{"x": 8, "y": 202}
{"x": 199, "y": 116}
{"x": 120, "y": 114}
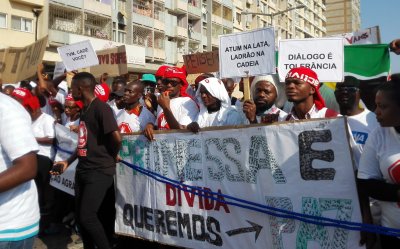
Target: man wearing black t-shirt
{"x": 98, "y": 146}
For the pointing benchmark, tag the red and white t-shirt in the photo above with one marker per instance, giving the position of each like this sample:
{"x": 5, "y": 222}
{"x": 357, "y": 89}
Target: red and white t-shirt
{"x": 133, "y": 121}
{"x": 184, "y": 109}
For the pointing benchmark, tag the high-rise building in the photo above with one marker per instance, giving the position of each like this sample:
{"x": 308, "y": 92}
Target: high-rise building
{"x": 290, "y": 18}
{"x": 342, "y": 16}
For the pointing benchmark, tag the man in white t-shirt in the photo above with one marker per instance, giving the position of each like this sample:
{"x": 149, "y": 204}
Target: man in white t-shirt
{"x": 135, "y": 116}
{"x": 361, "y": 121}
{"x": 19, "y": 210}
{"x": 176, "y": 109}
{"x": 44, "y": 132}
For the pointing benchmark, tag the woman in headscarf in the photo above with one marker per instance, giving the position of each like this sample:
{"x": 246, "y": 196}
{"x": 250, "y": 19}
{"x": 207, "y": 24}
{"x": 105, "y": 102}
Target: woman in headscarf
{"x": 215, "y": 106}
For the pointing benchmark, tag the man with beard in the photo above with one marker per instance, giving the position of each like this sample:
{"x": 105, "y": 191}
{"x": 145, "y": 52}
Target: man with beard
{"x": 262, "y": 109}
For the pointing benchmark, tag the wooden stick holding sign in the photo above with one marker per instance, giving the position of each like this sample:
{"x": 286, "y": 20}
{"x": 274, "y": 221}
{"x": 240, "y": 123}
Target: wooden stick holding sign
{"x": 246, "y": 86}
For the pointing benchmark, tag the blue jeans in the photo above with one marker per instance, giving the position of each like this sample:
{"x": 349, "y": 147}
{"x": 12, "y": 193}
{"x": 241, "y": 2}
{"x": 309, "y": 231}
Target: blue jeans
{"x": 21, "y": 244}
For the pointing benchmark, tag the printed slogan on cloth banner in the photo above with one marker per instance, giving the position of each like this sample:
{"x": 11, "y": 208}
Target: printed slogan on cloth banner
{"x": 202, "y": 62}
{"x": 251, "y": 51}
{"x": 304, "y": 167}
{"x": 365, "y": 36}
{"x": 18, "y": 64}
{"x": 78, "y": 55}
{"x": 323, "y": 55}
{"x": 112, "y": 60}
{"x": 67, "y": 141}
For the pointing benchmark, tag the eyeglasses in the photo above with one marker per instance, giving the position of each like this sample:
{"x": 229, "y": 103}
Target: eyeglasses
{"x": 173, "y": 83}
{"x": 350, "y": 89}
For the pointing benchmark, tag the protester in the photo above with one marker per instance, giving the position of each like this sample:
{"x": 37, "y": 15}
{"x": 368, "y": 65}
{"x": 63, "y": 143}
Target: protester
{"x": 361, "y": 121}
{"x": 135, "y": 117}
{"x": 215, "y": 106}
{"x": 8, "y": 89}
{"x": 176, "y": 109}
{"x": 102, "y": 91}
{"x": 98, "y": 147}
{"x": 378, "y": 173}
{"x": 19, "y": 210}
{"x": 117, "y": 86}
{"x": 264, "y": 93}
{"x": 159, "y": 77}
{"x": 149, "y": 98}
{"x": 395, "y": 46}
{"x": 302, "y": 88}
{"x": 230, "y": 86}
{"x": 72, "y": 113}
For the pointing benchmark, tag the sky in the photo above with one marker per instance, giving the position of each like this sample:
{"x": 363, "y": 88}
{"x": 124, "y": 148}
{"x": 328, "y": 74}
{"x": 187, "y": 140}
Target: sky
{"x": 385, "y": 14}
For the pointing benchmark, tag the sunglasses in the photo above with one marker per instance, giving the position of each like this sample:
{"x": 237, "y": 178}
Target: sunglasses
{"x": 350, "y": 89}
{"x": 173, "y": 83}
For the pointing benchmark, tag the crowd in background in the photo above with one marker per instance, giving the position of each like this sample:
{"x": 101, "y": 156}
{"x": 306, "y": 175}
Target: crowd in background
{"x": 99, "y": 112}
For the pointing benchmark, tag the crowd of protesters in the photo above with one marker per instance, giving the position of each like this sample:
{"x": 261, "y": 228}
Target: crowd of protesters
{"x": 166, "y": 100}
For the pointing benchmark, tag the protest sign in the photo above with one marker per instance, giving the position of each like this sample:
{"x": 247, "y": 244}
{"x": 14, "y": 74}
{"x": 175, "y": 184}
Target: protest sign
{"x": 111, "y": 61}
{"x": 201, "y": 62}
{"x": 18, "y": 64}
{"x": 249, "y": 53}
{"x": 366, "y": 36}
{"x": 67, "y": 141}
{"x": 59, "y": 69}
{"x": 302, "y": 167}
{"x": 323, "y": 55}
{"x": 78, "y": 55}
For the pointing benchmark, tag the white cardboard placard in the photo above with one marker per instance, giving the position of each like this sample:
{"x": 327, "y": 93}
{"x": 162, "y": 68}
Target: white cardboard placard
{"x": 78, "y": 55}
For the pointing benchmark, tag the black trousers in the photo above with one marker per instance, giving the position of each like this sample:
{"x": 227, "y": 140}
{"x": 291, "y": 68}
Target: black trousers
{"x": 95, "y": 208}
{"x": 46, "y": 192}
{"x": 389, "y": 242}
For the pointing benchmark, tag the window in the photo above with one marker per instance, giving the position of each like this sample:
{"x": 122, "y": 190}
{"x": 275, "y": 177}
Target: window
{"x": 121, "y": 36}
{"x": 22, "y": 24}
{"x": 3, "y": 20}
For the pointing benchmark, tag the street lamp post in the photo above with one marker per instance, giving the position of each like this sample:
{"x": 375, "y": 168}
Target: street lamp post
{"x": 274, "y": 14}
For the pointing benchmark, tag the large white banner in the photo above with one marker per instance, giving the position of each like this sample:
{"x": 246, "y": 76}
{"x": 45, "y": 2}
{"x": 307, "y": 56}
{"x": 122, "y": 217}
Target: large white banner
{"x": 249, "y": 53}
{"x": 323, "y": 55}
{"x": 66, "y": 141}
{"x": 304, "y": 167}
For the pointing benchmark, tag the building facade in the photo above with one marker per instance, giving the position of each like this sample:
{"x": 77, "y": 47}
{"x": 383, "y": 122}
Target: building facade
{"x": 155, "y": 32}
{"x": 342, "y": 16}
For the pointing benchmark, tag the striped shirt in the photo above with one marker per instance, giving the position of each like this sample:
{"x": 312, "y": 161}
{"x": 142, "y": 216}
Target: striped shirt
{"x": 19, "y": 208}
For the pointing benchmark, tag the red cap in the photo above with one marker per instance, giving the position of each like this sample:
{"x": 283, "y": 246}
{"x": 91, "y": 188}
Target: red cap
{"x": 161, "y": 70}
{"x": 78, "y": 103}
{"x": 176, "y": 72}
{"x": 307, "y": 75}
{"x": 102, "y": 91}
{"x": 53, "y": 101}
{"x": 21, "y": 93}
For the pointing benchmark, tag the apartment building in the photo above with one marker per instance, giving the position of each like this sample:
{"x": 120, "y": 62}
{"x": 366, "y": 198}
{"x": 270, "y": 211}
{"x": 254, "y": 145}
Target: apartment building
{"x": 19, "y": 22}
{"x": 290, "y": 18}
{"x": 343, "y": 16}
{"x": 155, "y": 32}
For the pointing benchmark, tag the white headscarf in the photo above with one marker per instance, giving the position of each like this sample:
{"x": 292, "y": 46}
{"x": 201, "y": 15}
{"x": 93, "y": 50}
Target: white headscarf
{"x": 274, "y": 80}
{"x": 217, "y": 89}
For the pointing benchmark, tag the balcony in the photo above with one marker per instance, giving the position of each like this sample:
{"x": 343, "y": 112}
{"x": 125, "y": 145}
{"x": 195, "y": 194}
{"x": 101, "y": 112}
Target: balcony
{"x": 238, "y": 4}
{"x": 194, "y": 11}
{"x": 155, "y": 54}
{"x": 227, "y": 23}
{"x": 195, "y": 36}
{"x": 228, "y": 3}
{"x": 215, "y": 41}
{"x": 97, "y": 7}
{"x": 35, "y": 3}
{"x": 216, "y": 19}
{"x": 177, "y": 6}
{"x": 73, "y": 3}
{"x": 181, "y": 32}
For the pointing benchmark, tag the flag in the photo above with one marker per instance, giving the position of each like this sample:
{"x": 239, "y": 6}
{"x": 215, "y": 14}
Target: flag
{"x": 367, "y": 62}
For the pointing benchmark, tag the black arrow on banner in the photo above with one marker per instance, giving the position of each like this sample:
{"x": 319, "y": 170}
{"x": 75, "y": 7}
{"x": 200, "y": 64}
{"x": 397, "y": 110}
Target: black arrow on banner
{"x": 254, "y": 228}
